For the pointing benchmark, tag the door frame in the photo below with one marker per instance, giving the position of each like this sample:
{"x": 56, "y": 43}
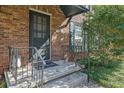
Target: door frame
{"x": 50, "y": 15}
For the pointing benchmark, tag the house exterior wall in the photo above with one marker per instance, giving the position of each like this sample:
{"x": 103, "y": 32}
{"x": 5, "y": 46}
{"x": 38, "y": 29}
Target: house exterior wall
{"x": 14, "y": 30}
{"x": 67, "y": 54}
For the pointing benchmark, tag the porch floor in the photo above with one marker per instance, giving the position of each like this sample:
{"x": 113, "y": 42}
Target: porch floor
{"x": 63, "y": 69}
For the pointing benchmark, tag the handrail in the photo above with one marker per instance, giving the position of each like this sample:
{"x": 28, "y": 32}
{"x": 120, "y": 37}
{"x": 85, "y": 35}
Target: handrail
{"x": 30, "y": 48}
{"x": 74, "y": 54}
{"x": 14, "y": 53}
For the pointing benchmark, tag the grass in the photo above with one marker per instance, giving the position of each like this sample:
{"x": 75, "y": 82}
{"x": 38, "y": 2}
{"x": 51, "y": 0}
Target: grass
{"x": 110, "y": 75}
{"x": 2, "y": 84}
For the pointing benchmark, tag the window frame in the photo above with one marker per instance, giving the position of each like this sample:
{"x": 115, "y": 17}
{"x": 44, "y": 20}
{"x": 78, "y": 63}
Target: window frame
{"x": 72, "y": 46}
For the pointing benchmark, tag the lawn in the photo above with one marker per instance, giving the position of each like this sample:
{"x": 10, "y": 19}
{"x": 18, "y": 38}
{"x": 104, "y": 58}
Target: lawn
{"x": 110, "y": 75}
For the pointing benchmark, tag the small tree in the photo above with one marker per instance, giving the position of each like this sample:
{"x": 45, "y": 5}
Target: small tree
{"x": 107, "y": 23}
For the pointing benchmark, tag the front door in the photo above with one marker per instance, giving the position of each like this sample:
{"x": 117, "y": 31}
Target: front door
{"x": 39, "y": 34}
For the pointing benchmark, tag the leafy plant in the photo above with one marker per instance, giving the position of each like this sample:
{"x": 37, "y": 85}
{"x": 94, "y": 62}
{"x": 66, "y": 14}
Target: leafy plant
{"x": 107, "y": 23}
{"x": 2, "y": 84}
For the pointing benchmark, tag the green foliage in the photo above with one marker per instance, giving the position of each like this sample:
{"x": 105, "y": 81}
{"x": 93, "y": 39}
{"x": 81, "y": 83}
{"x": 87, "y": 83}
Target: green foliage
{"x": 2, "y": 84}
{"x": 101, "y": 60}
{"x": 92, "y": 60}
{"x": 110, "y": 75}
{"x": 106, "y": 22}
{"x": 117, "y": 52}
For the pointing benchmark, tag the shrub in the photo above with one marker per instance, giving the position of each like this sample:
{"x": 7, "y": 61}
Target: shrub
{"x": 2, "y": 84}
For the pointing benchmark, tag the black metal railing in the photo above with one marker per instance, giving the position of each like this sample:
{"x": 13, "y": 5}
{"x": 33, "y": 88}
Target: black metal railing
{"x": 75, "y": 51}
{"x": 22, "y": 64}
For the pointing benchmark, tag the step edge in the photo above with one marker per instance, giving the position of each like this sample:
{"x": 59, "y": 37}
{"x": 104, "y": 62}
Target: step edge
{"x": 62, "y": 75}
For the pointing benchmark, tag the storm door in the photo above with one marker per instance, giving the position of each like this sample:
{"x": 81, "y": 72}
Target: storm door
{"x": 39, "y": 34}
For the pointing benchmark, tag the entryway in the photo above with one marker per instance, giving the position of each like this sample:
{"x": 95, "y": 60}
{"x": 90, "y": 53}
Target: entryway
{"x": 39, "y": 32}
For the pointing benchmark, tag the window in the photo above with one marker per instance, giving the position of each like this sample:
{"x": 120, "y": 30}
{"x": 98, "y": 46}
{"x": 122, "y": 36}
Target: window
{"x": 78, "y": 38}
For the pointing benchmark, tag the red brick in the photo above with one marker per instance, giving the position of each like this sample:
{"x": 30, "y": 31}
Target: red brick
{"x": 14, "y": 30}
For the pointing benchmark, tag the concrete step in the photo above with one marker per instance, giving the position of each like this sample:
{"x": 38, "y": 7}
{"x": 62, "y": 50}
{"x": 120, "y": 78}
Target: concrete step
{"x": 50, "y": 74}
{"x": 59, "y": 72}
{"x": 73, "y": 80}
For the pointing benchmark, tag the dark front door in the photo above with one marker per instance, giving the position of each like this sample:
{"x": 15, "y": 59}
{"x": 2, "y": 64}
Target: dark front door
{"x": 39, "y": 34}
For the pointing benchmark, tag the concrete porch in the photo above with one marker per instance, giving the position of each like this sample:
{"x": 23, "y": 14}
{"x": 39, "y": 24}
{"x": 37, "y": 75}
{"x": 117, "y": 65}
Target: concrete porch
{"x": 65, "y": 74}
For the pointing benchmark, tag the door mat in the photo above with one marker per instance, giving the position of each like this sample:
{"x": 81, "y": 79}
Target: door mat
{"x": 49, "y": 63}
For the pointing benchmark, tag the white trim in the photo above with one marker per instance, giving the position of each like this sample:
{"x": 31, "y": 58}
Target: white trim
{"x": 39, "y": 11}
{"x": 49, "y": 14}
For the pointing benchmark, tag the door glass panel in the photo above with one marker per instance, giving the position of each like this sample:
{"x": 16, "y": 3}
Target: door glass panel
{"x": 44, "y": 28}
{"x": 35, "y": 26}
{"x": 44, "y": 35}
{"x": 35, "y": 34}
{"x": 39, "y": 35}
{"x": 39, "y": 19}
{"x": 39, "y": 27}
{"x": 35, "y": 19}
{"x": 44, "y": 20}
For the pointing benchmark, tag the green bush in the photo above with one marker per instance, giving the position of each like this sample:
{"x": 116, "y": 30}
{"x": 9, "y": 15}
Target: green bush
{"x": 101, "y": 60}
{"x": 117, "y": 52}
{"x": 2, "y": 84}
{"x": 93, "y": 61}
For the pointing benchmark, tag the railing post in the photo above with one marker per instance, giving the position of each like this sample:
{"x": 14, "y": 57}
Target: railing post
{"x": 32, "y": 64}
{"x": 16, "y": 54}
{"x": 42, "y": 75}
{"x": 36, "y": 75}
{"x": 10, "y": 57}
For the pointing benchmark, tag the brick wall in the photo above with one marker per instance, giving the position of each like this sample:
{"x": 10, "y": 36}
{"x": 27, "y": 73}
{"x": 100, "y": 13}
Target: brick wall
{"x": 14, "y": 30}
{"x": 67, "y": 55}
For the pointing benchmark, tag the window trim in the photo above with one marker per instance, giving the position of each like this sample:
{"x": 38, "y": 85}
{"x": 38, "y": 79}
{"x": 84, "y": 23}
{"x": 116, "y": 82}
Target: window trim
{"x": 83, "y": 46}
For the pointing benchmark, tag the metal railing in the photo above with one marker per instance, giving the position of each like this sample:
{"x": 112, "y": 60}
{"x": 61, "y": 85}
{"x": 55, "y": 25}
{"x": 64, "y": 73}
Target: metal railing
{"x": 25, "y": 63}
{"x": 75, "y": 51}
